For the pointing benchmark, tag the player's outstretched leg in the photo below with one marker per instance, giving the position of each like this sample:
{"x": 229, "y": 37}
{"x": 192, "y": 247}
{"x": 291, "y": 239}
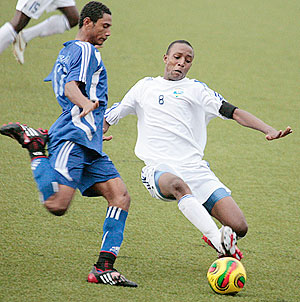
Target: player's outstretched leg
{"x": 34, "y": 140}
{"x": 111, "y": 277}
{"x": 228, "y": 242}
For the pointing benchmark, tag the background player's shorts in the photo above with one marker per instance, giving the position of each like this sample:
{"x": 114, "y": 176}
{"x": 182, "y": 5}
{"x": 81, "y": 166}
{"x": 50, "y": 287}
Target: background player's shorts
{"x": 79, "y": 167}
{"x": 201, "y": 180}
{"x": 35, "y": 8}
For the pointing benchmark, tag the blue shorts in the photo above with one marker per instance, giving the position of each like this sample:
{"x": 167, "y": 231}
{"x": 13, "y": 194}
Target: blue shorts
{"x": 79, "y": 167}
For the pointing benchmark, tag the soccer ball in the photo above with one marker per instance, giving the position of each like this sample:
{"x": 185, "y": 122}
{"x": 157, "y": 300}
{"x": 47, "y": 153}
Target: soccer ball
{"x": 226, "y": 276}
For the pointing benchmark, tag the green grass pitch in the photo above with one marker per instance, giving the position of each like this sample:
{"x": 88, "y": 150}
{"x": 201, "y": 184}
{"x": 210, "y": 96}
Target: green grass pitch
{"x": 246, "y": 50}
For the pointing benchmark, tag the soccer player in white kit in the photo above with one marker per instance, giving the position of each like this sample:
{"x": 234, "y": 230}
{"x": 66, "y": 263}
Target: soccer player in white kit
{"x": 11, "y": 32}
{"x": 173, "y": 112}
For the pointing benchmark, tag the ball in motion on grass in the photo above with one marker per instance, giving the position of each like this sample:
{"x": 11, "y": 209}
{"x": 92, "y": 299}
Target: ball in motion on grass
{"x": 226, "y": 276}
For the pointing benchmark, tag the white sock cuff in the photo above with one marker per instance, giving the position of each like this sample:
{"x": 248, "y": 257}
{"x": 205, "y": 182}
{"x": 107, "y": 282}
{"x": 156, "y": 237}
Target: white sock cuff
{"x": 10, "y": 29}
{"x": 184, "y": 197}
{"x": 7, "y": 36}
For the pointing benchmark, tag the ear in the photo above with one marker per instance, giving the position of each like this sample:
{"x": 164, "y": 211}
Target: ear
{"x": 165, "y": 58}
{"x": 87, "y": 21}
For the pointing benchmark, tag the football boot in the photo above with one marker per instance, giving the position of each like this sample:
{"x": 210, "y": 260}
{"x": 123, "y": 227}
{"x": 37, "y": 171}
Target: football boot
{"x": 110, "y": 277}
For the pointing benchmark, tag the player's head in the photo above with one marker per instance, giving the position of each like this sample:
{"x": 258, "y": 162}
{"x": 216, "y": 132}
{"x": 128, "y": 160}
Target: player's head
{"x": 178, "y": 60}
{"x": 95, "y": 22}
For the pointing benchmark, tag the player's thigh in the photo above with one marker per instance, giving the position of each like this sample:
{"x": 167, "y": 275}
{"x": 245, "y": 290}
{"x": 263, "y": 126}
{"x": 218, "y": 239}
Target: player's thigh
{"x": 68, "y": 159}
{"x": 115, "y": 192}
{"x": 100, "y": 170}
{"x": 228, "y": 213}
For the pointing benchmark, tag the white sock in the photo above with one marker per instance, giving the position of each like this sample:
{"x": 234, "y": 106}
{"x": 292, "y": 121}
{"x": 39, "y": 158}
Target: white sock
{"x": 200, "y": 218}
{"x": 7, "y": 35}
{"x": 56, "y": 24}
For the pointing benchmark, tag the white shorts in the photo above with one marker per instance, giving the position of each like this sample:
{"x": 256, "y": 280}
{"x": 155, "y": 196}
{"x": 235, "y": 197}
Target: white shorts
{"x": 201, "y": 180}
{"x": 35, "y": 8}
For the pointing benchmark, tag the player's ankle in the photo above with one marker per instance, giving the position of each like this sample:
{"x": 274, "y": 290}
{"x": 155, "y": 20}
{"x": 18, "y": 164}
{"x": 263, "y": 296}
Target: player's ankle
{"x": 106, "y": 261}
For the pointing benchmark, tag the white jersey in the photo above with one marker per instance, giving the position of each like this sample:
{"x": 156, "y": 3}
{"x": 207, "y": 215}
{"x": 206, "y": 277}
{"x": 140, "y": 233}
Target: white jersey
{"x": 172, "y": 119}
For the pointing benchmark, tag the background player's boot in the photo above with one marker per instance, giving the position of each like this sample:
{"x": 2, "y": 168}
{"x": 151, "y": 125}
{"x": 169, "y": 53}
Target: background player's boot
{"x": 19, "y": 46}
{"x": 111, "y": 277}
{"x": 34, "y": 140}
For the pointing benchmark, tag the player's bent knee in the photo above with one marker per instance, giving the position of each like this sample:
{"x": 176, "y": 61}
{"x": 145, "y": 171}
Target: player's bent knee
{"x": 179, "y": 188}
{"x": 56, "y": 208}
{"x": 242, "y": 229}
{"x": 58, "y": 212}
{"x": 124, "y": 201}
{"x": 73, "y": 21}
{"x": 120, "y": 200}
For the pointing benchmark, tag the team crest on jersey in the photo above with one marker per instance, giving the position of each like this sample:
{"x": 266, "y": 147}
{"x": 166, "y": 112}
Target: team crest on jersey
{"x": 63, "y": 59}
{"x": 178, "y": 92}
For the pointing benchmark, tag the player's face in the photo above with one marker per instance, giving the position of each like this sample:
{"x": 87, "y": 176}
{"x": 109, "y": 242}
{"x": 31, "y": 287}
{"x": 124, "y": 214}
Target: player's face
{"x": 178, "y": 61}
{"x": 100, "y": 31}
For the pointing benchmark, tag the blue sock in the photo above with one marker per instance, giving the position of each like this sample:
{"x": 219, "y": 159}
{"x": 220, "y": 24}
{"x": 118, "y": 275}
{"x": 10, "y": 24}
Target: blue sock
{"x": 113, "y": 230}
{"x": 44, "y": 176}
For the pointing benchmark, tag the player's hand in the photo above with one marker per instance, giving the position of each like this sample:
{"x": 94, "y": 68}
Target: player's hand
{"x": 106, "y": 138}
{"x": 105, "y": 129}
{"x": 88, "y": 107}
{"x": 106, "y": 125}
{"x": 274, "y": 134}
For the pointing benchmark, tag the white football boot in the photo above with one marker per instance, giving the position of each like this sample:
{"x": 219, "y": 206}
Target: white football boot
{"x": 228, "y": 246}
{"x": 19, "y": 46}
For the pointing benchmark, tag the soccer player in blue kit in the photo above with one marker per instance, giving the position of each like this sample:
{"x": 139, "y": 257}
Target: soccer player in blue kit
{"x": 76, "y": 159}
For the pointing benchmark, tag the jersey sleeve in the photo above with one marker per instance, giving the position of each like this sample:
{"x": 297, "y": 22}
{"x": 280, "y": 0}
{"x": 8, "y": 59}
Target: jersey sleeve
{"x": 125, "y": 107}
{"x": 211, "y": 101}
{"x": 80, "y": 66}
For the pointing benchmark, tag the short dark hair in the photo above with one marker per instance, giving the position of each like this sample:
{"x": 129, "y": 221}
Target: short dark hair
{"x": 94, "y": 10}
{"x": 178, "y": 41}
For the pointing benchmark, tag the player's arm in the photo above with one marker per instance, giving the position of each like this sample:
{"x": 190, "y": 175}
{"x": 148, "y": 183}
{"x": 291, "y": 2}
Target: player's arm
{"x": 119, "y": 110}
{"x": 247, "y": 119}
{"x": 73, "y": 93}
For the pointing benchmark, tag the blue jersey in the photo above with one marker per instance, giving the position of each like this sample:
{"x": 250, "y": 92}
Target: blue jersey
{"x": 79, "y": 61}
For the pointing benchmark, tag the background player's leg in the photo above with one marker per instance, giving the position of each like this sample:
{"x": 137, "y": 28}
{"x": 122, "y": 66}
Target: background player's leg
{"x": 71, "y": 14}
{"x": 9, "y": 30}
{"x": 56, "y": 24}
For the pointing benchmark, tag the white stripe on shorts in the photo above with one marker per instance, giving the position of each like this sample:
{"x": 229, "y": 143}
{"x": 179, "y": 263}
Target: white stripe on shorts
{"x": 62, "y": 160}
